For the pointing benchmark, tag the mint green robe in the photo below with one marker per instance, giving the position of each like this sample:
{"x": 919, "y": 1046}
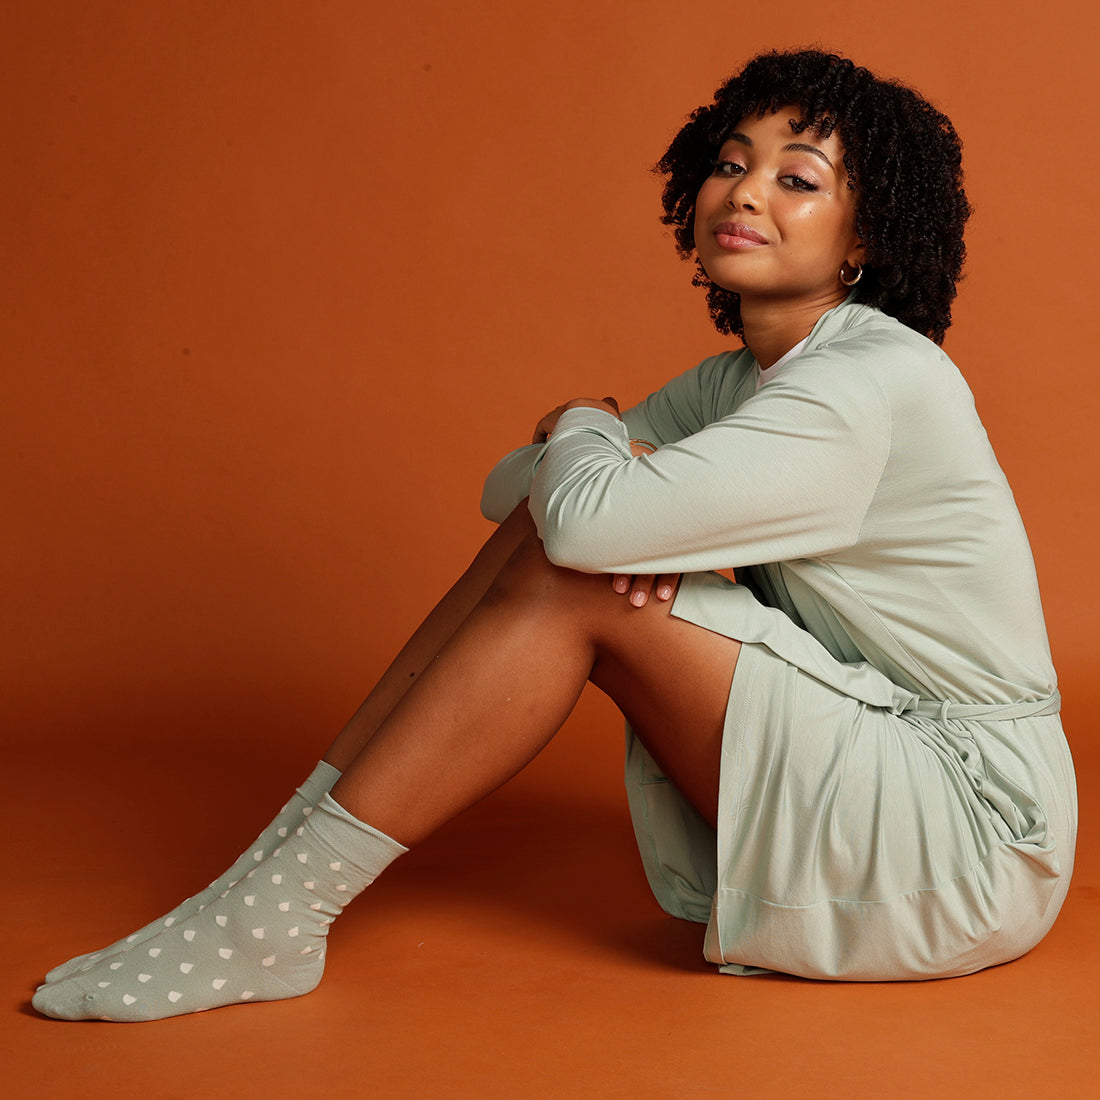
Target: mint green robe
{"x": 897, "y": 797}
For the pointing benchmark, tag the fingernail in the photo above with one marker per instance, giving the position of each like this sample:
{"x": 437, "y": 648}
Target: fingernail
{"x": 638, "y": 599}
{"x": 620, "y": 584}
{"x": 664, "y": 592}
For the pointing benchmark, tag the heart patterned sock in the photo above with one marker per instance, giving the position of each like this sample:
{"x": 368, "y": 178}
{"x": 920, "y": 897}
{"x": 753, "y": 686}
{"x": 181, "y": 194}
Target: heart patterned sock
{"x": 319, "y": 782}
{"x": 263, "y": 939}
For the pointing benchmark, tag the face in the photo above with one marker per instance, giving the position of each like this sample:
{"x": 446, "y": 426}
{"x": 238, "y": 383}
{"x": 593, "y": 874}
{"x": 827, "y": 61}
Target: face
{"x": 776, "y": 218}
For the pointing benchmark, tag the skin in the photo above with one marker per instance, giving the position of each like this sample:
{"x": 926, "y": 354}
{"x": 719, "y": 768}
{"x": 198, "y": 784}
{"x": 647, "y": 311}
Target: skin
{"x": 495, "y": 670}
{"x": 792, "y": 190}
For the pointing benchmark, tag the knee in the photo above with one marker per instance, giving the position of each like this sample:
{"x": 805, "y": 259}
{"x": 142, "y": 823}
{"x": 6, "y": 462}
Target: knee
{"x": 529, "y": 574}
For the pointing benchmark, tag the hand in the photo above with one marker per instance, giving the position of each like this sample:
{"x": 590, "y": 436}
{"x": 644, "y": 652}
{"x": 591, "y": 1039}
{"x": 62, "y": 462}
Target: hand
{"x": 640, "y": 587}
{"x": 547, "y": 424}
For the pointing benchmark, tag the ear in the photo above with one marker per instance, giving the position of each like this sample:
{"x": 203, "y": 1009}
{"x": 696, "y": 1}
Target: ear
{"x": 856, "y": 256}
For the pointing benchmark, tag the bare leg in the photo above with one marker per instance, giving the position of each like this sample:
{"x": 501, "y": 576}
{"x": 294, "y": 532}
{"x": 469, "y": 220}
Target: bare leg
{"x": 478, "y": 712}
{"x": 422, "y": 648}
{"x": 508, "y": 678}
{"x": 417, "y": 653}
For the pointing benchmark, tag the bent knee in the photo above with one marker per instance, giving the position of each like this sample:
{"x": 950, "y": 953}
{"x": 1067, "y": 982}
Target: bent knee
{"x": 529, "y": 572}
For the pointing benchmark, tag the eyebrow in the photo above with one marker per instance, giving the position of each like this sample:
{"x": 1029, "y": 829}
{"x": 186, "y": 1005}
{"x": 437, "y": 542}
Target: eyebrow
{"x": 792, "y": 147}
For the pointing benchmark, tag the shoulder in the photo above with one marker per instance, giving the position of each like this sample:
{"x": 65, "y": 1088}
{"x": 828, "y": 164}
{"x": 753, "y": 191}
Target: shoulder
{"x": 865, "y": 338}
{"x": 708, "y": 390}
{"x": 876, "y": 367}
{"x": 723, "y": 369}
{"x": 858, "y": 347}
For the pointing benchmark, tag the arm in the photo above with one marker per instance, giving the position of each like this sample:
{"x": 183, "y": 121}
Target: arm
{"x": 673, "y": 412}
{"x": 509, "y": 482}
{"x": 789, "y": 474}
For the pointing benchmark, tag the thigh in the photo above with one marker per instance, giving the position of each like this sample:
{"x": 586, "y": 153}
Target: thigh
{"x": 669, "y": 677}
{"x": 671, "y": 680}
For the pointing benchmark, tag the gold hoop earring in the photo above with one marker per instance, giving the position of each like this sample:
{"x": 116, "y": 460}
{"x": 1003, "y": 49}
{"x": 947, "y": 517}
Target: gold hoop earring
{"x": 852, "y": 282}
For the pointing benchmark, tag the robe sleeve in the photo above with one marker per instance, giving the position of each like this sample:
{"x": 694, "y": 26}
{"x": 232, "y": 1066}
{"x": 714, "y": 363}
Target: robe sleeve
{"x": 509, "y": 482}
{"x": 674, "y": 411}
{"x": 789, "y": 474}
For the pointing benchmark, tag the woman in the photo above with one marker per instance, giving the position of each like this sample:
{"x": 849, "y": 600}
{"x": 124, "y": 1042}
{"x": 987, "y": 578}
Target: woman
{"x": 849, "y": 764}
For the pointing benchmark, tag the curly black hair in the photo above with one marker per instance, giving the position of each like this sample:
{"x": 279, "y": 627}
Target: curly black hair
{"x": 903, "y": 159}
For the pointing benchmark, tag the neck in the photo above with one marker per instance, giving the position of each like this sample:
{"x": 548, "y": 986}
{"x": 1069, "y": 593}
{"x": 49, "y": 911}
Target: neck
{"x": 773, "y": 327}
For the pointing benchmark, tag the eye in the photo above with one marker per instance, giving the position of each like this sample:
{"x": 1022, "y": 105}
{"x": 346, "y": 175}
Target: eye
{"x": 797, "y": 183}
{"x": 727, "y": 169}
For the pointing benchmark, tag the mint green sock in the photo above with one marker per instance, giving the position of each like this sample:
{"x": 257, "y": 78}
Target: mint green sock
{"x": 263, "y": 939}
{"x": 319, "y": 782}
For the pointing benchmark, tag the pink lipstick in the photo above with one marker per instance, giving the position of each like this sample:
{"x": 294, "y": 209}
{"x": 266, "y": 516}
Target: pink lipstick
{"x": 734, "y": 235}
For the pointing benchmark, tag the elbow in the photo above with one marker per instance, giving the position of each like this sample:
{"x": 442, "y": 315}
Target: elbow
{"x": 577, "y": 531}
{"x": 569, "y": 549}
{"x": 490, "y": 507}
{"x": 497, "y": 503}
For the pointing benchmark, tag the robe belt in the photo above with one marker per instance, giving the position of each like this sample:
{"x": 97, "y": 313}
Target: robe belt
{"x": 984, "y": 712}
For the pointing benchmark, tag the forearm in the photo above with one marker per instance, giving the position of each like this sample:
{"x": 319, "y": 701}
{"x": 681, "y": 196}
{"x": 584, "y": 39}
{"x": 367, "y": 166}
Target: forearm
{"x": 736, "y": 493}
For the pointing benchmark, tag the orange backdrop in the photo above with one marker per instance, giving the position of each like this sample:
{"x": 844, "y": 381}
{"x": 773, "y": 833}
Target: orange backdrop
{"x": 282, "y": 280}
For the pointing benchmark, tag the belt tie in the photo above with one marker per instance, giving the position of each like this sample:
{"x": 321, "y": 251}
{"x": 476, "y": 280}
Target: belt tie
{"x": 983, "y": 712}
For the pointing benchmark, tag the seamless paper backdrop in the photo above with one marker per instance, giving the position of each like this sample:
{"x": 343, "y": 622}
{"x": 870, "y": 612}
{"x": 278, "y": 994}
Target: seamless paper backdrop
{"x": 282, "y": 281}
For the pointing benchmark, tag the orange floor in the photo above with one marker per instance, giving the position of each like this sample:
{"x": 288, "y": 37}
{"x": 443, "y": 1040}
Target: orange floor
{"x": 543, "y": 969}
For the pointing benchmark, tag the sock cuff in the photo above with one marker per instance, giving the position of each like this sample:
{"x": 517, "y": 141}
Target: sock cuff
{"x": 319, "y": 781}
{"x": 349, "y": 838}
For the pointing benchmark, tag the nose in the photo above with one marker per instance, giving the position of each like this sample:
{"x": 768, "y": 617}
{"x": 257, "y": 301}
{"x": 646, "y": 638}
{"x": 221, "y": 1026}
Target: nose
{"x": 745, "y": 193}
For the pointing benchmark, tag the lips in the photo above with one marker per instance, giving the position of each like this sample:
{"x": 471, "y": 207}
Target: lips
{"x": 736, "y": 235}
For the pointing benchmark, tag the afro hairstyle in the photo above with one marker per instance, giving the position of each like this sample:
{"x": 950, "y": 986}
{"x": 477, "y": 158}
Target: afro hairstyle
{"x": 903, "y": 159}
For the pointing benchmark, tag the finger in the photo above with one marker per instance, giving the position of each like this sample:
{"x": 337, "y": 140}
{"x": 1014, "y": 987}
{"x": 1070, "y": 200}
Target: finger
{"x": 613, "y": 403}
{"x": 546, "y": 425}
{"x": 666, "y": 586}
{"x": 640, "y": 589}
{"x": 621, "y": 583}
